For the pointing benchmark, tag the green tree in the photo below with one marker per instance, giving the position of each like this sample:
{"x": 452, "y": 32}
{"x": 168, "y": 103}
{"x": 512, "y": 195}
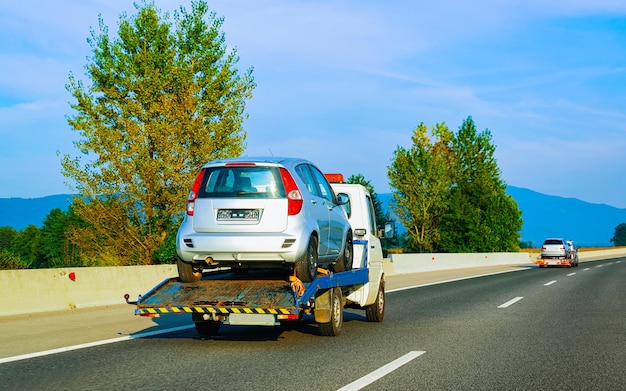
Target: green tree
{"x": 7, "y": 236}
{"x": 449, "y": 195}
{"x": 9, "y": 261}
{"x": 619, "y": 236}
{"x": 57, "y": 248}
{"x": 165, "y": 98}
{"x": 420, "y": 179}
{"x": 27, "y": 247}
{"x": 481, "y": 215}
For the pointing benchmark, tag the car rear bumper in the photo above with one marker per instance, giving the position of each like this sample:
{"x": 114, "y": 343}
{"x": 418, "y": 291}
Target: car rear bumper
{"x": 229, "y": 249}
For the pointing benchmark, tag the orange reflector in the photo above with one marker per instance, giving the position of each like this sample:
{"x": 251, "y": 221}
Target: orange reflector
{"x": 288, "y": 317}
{"x": 334, "y": 178}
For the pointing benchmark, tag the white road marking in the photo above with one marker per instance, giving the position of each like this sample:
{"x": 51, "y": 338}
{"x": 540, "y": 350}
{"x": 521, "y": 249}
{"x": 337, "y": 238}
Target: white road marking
{"x": 549, "y": 283}
{"x": 91, "y": 344}
{"x": 585, "y": 269}
{"x": 571, "y": 274}
{"x": 511, "y": 302}
{"x": 382, "y": 371}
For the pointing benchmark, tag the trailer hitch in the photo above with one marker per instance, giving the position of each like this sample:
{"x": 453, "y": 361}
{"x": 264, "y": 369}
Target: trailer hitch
{"x": 127, "y": 296}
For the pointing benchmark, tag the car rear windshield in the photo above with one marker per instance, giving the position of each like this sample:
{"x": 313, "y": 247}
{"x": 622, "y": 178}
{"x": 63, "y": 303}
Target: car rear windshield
{"x": 553, "y": 241}
{"x": 242, "y": 181}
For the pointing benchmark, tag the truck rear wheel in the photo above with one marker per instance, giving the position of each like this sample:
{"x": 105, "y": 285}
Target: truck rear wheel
{"x": 333, "y": 327}
{"x": 344, "y": 263}
{"x": 306, "y": 267}
{"x": 376, "y": 312}
{"x": 188, "y": 272}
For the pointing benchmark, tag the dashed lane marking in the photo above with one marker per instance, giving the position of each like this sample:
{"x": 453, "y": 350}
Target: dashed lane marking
{"x": 381, "y": 372}
{"x": 511, "y": 302}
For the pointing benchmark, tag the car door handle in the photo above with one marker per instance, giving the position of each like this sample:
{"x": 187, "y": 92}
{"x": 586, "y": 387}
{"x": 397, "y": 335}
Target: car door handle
{"x": 314, "y": 202}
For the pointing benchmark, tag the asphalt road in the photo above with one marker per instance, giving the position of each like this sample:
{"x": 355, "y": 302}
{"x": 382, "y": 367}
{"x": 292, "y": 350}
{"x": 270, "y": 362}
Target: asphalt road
{"x": 532, "y": 329}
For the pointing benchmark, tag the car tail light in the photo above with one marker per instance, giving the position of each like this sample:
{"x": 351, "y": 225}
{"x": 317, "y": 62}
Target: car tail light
{"x": 193, "y": 194}
{"x": 294, "y": 197}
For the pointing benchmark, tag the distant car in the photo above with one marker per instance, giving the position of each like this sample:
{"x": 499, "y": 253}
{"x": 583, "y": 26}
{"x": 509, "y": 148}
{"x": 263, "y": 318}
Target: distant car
{"x": 263, "y": 213}
{"x": 555, "y": 248}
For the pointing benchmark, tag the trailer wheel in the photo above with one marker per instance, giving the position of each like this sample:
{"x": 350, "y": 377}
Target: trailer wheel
{"x": 344, "y": 263}
{"x": 306, "y": 267}
{"x": 376, "y": 312}
{"x": 188, "y": 272}
{"x": 208, "y": 328}
{"x": 333, "y": 327}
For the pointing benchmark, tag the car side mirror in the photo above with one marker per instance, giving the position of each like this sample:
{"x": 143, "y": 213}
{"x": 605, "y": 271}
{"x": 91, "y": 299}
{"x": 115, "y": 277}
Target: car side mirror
{"x": 342, "y": 199}
{"x": 389, "y": 231}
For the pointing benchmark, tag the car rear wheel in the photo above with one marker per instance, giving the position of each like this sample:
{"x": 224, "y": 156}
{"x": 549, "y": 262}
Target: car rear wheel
{"x": 188, "y": 272}
{"x": 306, "y": 267}
{"x": 345, "y": 262}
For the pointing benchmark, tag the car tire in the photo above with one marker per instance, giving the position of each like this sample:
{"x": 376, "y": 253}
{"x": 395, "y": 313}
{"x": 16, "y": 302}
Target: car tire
{"x": 306, "y": 267}
{"x": 333, "y": 327}
{"x": 344, "y": 263}
{"x": 376, "y": 312}
{"x": 188, "y": 272}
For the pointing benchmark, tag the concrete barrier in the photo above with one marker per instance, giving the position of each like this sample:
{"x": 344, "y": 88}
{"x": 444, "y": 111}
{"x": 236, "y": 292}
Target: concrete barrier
{"x": 594, "y": 255}
{"x": 413, "y": 263}
{"x": 41, "y": 290}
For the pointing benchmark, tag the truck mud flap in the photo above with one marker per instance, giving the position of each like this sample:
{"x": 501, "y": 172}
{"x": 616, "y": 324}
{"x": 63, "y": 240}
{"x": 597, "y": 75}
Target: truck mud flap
{"x": 322, "y": 306}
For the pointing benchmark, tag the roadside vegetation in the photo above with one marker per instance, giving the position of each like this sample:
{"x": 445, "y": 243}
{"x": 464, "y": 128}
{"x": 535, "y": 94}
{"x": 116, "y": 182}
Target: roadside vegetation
{"x": 448, "y": 193}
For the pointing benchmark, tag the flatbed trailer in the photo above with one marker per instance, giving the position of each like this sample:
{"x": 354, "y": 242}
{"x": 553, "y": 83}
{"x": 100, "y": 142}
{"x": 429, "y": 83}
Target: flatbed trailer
{"x": 570, "y": 260}
{"x": 564, "y": 261}
{"x": 266, "y": 297}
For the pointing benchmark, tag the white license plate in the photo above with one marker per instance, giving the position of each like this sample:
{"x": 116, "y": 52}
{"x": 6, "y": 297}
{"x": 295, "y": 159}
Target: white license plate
{"x": 239, "y": 214}
{"x": 252, "y": 319}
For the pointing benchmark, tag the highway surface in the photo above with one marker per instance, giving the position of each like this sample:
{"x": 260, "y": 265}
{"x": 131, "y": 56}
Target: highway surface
{"x": 526, "y": 329}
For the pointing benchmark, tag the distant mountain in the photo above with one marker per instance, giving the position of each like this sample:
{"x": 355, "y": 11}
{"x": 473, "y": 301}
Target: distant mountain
{"x": 22, "y": 212}
{"x": 590, "y": 225}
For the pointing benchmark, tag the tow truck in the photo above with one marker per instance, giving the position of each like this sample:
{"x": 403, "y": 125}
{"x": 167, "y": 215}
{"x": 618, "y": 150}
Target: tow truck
{"x": 261, "y": 297}
{"x": 558, "y": 252}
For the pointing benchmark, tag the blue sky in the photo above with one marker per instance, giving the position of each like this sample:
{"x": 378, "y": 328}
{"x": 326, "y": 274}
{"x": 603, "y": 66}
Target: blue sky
{"x": 343, "y": 83}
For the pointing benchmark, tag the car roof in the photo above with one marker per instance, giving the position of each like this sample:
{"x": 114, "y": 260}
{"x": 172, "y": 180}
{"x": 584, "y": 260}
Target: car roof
{"x": 259, "y": 159}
